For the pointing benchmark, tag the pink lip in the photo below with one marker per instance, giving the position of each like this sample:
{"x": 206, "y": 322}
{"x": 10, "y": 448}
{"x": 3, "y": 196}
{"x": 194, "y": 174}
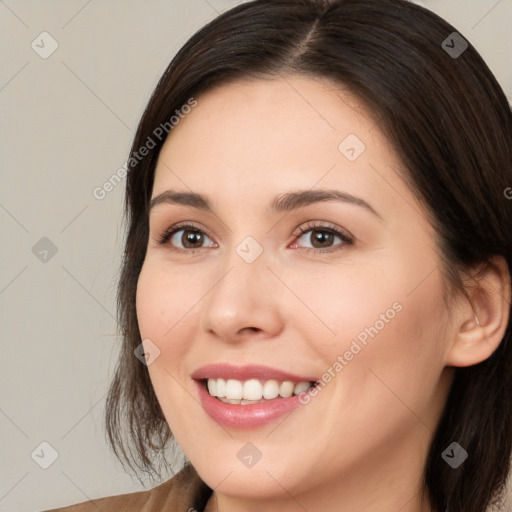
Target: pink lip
{"x": 243, "y": 373}
{"x": 245, "y": 416}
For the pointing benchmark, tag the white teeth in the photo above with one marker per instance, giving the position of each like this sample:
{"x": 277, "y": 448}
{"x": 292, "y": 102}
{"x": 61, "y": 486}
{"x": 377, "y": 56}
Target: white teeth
{"x": 220, "y": 387}
{"x": 270, "y": 389}
{"x": 286, "y": 388}
{"x": 234, "y": 389}
{"x": 229, "y": 401}
{"x": 238, "y": 402}
{"x": 254, "y": 390}
{"x": 300, "y": 387}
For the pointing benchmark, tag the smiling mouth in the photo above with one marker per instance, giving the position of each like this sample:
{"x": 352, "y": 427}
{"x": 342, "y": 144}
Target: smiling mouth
{"x": 254, "y": 391}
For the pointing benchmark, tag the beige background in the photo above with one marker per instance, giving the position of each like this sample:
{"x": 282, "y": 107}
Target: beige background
{"x": 67, "y": 124}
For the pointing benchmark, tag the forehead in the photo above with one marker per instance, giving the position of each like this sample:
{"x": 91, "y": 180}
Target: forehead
{"x": 250, "y": 138}
{"x": 282, "y": 110}
{"x": 293, "y": 117}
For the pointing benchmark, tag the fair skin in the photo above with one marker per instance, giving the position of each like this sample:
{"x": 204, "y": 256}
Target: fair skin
{"x": 362, "y": 441}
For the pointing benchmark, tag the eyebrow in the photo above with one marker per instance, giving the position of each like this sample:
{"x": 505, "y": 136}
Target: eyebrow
{"x": 282, "y": 203}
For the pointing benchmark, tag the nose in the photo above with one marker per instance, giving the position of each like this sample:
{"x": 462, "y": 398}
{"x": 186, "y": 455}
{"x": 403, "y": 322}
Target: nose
{"x": 245, "y": 302}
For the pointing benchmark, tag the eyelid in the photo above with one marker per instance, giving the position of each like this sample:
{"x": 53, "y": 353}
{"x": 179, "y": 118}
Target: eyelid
{"x": 311, "y": 226}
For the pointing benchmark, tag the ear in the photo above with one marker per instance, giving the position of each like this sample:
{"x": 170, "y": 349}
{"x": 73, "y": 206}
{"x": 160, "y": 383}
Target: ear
{"x": 480, "y": 322}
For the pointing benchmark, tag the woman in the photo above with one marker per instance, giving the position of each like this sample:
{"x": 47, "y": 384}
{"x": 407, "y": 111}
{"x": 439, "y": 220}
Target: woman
{"x": 315, "y": 295}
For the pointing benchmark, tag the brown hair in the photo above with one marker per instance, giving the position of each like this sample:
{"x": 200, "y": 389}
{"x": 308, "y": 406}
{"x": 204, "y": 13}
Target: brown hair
{"x": 449, "y": 122}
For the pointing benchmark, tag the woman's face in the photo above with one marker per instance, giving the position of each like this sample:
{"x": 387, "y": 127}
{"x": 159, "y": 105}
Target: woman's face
{"x": 353, "y": 302}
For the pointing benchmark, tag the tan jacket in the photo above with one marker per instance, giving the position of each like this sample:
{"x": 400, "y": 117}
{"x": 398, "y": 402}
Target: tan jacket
{"x": 184, "y": 492}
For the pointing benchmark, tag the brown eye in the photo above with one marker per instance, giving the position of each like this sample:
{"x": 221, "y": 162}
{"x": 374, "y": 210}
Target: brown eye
{"x": 184, "y": 238}
{"x": 321, "y": 238}
{"x": 190, "y": 239}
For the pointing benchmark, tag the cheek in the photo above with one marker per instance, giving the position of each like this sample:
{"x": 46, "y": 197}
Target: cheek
{"x": 151, "y": 305}
{"x": 165, "y": 317}
{"x": 164, "y": 300}
{"x": 164, "y": 312}
{"x": 405, "y": 358}
{"x": 349, "y": 305}
{"x": 380, "y": 322}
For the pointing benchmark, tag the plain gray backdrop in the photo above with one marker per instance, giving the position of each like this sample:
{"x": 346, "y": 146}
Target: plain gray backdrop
{"x": 74, "y": 80}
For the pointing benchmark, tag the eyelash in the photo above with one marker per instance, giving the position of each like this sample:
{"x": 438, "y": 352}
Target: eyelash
{"x": 164, "y": 238}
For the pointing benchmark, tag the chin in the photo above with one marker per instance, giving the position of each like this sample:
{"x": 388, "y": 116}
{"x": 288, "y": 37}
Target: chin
{"x": 256, "y": 483}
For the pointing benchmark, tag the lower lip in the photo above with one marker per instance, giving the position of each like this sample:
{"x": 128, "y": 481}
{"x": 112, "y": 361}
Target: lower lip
{"x": 245, "y": 416}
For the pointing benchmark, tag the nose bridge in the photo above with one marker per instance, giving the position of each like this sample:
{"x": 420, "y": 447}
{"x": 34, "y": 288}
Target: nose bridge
{"x": 242, "y": 295}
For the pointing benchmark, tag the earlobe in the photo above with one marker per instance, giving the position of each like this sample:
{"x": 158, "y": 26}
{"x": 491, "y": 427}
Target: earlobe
{"x": 482, "y": 320}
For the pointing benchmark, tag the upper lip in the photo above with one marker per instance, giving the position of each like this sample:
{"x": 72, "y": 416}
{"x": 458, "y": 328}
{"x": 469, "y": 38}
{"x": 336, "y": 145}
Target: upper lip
{"x": 246, "y": 372}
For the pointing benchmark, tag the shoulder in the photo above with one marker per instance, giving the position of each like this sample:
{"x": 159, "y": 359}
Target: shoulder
{"x": 183, "y": 491}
